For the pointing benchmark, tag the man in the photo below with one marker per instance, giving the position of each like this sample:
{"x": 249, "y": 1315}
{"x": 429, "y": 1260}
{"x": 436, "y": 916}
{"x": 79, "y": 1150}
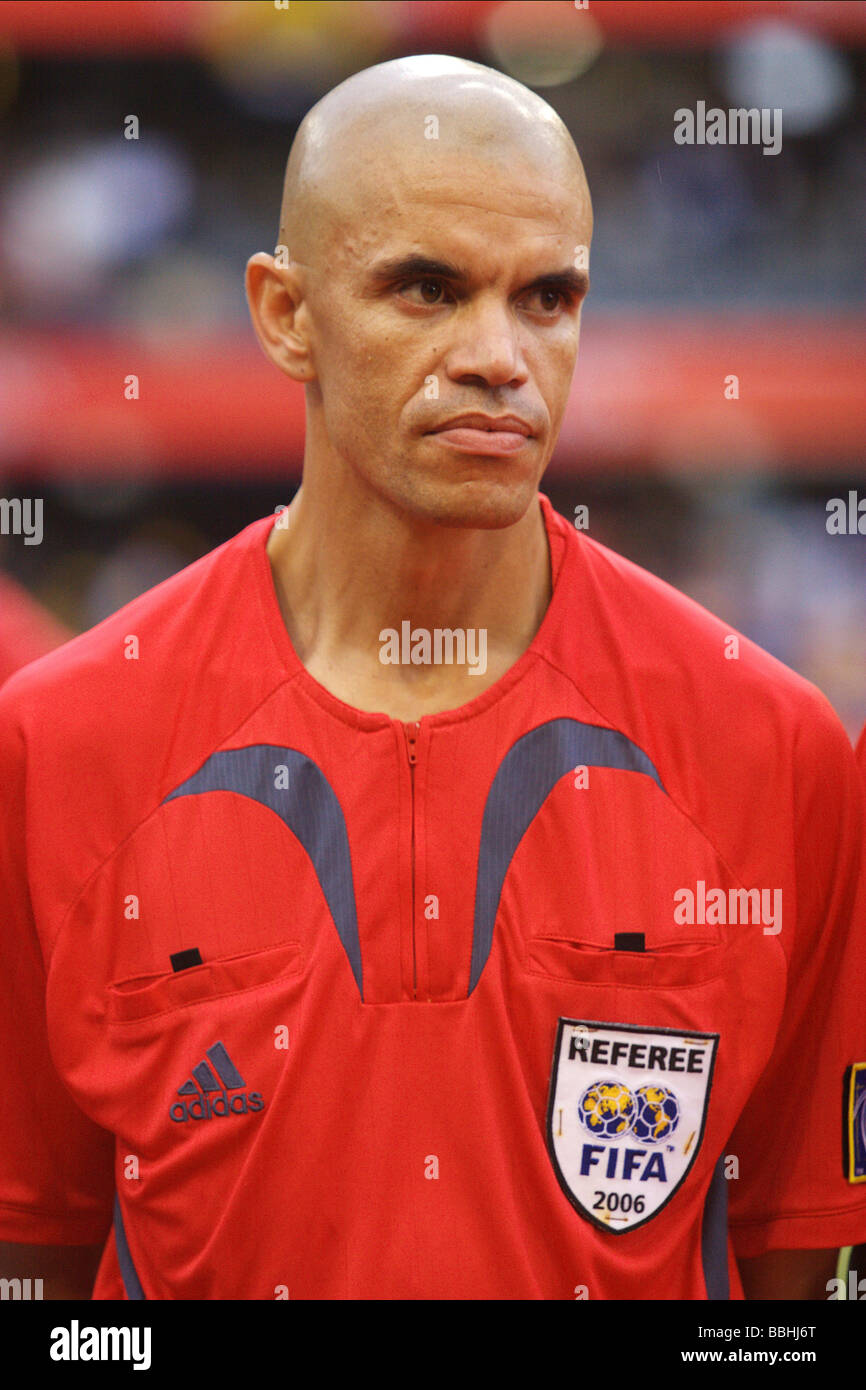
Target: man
{"x": 367, "y": 974}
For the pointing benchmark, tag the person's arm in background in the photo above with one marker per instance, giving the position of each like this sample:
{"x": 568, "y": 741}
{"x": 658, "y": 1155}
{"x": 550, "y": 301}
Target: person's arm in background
{"x": 56, "y": 1165}
{"x": 788, "y": 1274}
{"x": 66, "y": 1271}
{"x": 27, "y": 631}
{"x": 857, "y": 1262}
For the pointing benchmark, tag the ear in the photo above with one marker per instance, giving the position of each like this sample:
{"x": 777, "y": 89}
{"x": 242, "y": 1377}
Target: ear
{"x": 275, "y": 298}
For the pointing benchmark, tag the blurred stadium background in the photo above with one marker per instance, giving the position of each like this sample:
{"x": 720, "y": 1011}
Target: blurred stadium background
{"x": 123, "y": 256}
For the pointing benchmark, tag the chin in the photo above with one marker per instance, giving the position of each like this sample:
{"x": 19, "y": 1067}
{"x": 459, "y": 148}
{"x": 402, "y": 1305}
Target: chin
{"x": 472, "y": 493}
{"x": 479, "y": 503}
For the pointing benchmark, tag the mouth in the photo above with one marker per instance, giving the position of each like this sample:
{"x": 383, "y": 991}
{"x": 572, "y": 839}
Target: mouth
{"x": 478, "y": 435}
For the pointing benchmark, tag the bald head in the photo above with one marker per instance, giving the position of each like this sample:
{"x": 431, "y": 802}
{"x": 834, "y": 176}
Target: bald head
{"x": 425, "y": 113}
{"x": 438, "y": 223}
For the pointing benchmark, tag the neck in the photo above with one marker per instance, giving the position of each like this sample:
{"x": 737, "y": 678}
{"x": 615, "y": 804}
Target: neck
{"x": 347, "y": 568}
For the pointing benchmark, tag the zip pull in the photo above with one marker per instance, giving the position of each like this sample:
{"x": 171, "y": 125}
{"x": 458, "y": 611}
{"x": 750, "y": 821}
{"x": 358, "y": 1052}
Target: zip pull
{"x": 411, "y": 732}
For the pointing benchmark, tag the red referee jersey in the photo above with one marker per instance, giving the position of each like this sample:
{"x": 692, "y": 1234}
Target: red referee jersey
{"x": 549, "y": 996}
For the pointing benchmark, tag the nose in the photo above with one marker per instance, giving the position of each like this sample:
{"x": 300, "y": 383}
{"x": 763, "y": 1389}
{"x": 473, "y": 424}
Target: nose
{"x": 486, "y": 347}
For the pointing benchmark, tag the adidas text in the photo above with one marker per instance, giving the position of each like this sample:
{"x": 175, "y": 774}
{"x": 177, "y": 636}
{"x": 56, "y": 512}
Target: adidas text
{"x": 204, "y": 1107}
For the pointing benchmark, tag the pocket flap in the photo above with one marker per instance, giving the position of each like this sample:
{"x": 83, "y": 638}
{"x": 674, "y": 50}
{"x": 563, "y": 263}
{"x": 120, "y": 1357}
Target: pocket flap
{"x": 147, "y": 995}
{"x": 570, "y": 960}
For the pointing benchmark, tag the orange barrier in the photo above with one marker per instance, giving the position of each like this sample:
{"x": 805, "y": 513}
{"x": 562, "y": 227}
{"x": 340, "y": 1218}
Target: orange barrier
{"x": 650, "y": 391}
{"x": 123, "y": 26}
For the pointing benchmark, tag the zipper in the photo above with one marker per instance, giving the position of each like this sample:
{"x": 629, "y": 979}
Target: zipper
{"x": 411, "y": 732}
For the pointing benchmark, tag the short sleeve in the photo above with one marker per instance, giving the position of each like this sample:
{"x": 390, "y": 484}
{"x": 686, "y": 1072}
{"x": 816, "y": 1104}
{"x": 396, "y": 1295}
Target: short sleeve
{"x": 793, "y": 1191}
{"x": 56, "y": 1165}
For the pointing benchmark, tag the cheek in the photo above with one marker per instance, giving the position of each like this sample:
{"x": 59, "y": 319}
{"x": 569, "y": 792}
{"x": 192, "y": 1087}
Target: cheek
{"x": 361, "y": 398}
{"x": 372, "y": 377}
{"x": 554, "y": 374}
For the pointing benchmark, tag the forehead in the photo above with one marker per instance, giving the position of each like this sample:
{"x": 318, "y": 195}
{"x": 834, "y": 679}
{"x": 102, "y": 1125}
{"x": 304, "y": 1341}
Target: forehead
{"x": 467, "y": 205}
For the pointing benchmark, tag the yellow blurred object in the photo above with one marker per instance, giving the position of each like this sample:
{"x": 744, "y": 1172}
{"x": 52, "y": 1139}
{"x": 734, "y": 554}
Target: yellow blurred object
{"x": 250, "y": 43}
{"x": 543, "y": 43}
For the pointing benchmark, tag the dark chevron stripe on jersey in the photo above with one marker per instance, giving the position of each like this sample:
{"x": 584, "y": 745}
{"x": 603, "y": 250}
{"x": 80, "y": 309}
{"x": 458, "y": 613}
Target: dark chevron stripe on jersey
{"x": 128, "y": 1273}
{"x": 524, "y": 779}
{"x": 310, "y": 809}
{"x": 714, "y": 1236}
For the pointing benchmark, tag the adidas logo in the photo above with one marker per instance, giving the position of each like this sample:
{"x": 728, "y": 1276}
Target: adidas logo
{"x": 211, "y": 1095}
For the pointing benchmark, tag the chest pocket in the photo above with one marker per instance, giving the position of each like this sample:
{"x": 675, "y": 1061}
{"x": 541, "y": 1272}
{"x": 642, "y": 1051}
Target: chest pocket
{"x": 679, "y": 966}
{"x": 613, "y": 885}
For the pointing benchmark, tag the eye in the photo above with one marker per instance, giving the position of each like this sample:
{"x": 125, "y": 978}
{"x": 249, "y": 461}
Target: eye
{"x": 429, "y": 291}
{"x": 558, "y": 298}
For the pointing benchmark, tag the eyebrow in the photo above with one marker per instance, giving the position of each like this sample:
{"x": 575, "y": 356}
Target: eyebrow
{"x": 568, "y": 280}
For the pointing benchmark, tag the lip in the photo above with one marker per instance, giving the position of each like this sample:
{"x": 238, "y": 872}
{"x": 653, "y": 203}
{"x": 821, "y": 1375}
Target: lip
{"x": 484, "y": 434}
{"x": 509, "y": 424}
